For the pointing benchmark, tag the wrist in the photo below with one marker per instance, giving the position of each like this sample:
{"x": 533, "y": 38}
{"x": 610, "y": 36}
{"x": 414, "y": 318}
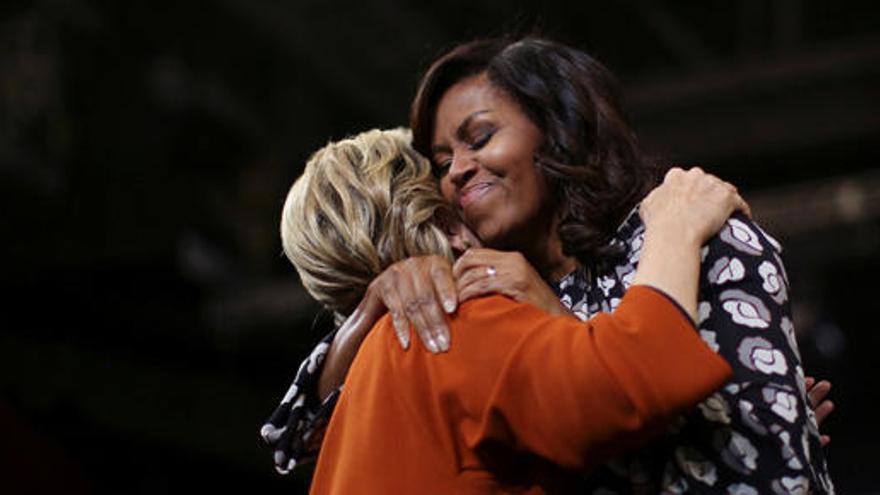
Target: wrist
{"x": 670, "y": 262}
{"x": 681, "y": 235}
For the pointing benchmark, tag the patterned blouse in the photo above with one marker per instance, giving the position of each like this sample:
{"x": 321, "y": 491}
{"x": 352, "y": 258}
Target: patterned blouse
{"x": 756, "y": 435}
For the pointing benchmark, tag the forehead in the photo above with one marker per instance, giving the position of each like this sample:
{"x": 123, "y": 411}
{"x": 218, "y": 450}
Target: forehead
{"x": 473, "y": 90}
{"x": 469, "y": 95}
{"x": 466, "y": 98}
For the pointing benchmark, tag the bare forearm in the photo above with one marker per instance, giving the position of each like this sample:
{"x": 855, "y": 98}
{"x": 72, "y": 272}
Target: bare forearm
{"x": 339, "y": 358}
{"x": 680, "y": 215}
{"x": 670, "y": 261}
{"x": 347, "y": 342}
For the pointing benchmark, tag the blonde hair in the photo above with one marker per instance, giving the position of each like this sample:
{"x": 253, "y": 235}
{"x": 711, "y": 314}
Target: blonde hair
{"x": 360, "y": 205}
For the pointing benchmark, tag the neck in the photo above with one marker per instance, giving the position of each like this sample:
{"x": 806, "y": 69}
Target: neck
{"x": 545, "y": 253}
{"x": 549, "y": 260}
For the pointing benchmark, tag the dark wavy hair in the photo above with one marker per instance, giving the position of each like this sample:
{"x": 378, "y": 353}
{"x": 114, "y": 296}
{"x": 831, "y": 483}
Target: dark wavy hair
{"x": 590, "y": 157}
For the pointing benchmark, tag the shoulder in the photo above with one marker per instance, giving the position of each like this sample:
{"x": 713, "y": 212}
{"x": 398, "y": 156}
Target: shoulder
{"x": 496, "y": 317}
{"x": 496, "y": 312}
{"x": 744, "y": 289}
{"x": 743, "y": 235}
{"x": 742, "y": 250}
{"x": 499, "y": 318}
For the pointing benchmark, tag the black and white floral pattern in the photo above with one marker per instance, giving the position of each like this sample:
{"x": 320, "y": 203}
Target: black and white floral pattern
{"x": 756, "y": 435}
{"x": 296, "y": 427}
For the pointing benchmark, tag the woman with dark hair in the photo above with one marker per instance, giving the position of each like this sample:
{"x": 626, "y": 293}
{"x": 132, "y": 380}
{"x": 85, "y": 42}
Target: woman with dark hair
{"x": 531, "y": 147}
{"x": 588, "y": 156}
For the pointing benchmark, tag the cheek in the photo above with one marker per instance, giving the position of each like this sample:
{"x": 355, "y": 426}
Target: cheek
{"x": 531, "y": 190}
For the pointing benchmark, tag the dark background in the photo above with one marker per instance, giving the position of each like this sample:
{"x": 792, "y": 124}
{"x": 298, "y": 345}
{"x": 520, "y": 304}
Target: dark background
{"x": 150, "y": 323}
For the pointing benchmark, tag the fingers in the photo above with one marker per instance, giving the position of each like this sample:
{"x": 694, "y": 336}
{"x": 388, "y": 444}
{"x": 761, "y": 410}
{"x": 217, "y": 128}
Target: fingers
{"x": 740, "y": 204}
{"x": 478, "y": 282}
{"x": 471, "y": 258}
{"x": 823, "y": 411}
{"x": 377, "y": 299}
{"x": 474, "y": 273}
{"x": 674, "y": 173}
{"x": 401, "y": 329}
{"x": 410, "y": 292}
{"x": 425, "y": 301}
{"x": 822, "y": 408}
{"x": 429, "y": 312}
{"x": 817, "y": 391}
{"x": 709, "y": 200}
{"x": 423, "y": 312}
{"x": 483, "y": 271}
{"x": 444, "y": 286}
{"x": 735, "y": 199}
{"x": 392, "y": 300}
{"x": 478, "y": 272}
{"x": 443, "y": 301}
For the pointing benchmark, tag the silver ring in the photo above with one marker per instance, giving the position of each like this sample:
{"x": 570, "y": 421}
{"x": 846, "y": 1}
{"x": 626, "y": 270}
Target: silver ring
{"x": 491, "y": 271}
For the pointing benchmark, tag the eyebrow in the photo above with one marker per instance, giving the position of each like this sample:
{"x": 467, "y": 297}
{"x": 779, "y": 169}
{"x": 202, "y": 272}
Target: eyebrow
{"x": 459, "y": 131}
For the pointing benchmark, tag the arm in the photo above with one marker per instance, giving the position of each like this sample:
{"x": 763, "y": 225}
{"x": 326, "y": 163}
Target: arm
{"x": 745, "y": 314}
{"x": 345, "y": 344}
{"x": 578, "y": 393}
{"x": 679, "y": 216}
{"x": 295, "y": 428}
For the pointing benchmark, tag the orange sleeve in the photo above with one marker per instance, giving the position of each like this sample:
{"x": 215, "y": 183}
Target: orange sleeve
{"x": 578, "y": 393}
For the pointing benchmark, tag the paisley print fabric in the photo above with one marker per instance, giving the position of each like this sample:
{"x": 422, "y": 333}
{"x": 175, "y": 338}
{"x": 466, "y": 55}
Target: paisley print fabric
{"x": 755, "y": 435}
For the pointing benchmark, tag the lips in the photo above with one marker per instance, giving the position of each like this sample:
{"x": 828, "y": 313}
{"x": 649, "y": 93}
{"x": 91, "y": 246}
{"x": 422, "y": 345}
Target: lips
{"x": 473, "y": 192}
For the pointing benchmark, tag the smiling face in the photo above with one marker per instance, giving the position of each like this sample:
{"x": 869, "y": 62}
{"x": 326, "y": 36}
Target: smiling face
{"x": 483, "y": 148}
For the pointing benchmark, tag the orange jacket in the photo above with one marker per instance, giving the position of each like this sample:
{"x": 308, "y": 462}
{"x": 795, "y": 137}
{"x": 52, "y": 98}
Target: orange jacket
{"x": 520, "y": 396}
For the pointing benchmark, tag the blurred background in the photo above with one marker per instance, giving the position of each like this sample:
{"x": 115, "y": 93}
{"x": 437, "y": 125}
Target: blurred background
{"x": 150, "y": 323}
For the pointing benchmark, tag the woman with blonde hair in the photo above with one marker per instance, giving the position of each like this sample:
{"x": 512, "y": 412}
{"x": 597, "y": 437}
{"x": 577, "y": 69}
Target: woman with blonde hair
{"x": 478, "y": 418}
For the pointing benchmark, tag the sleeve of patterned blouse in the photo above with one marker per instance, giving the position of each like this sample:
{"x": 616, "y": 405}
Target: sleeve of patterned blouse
{"x": 296, "y": 427}
{"x": 765, "y": 427}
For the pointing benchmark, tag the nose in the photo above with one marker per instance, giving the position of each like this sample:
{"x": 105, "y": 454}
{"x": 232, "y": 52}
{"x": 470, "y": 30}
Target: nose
{"x": 461, "y": 170}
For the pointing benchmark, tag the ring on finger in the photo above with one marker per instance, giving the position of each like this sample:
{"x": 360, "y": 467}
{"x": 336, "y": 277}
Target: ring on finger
{"x": 491, "y": 271}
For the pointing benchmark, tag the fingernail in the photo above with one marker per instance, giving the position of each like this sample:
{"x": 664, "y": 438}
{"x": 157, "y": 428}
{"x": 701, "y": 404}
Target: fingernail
{"x": 432, "y": 346}
{"x": 404, "y": 339}
{"x": 443, "y": 340}
{"x": 402, "y": 332}
{"x": 449, "y": 305}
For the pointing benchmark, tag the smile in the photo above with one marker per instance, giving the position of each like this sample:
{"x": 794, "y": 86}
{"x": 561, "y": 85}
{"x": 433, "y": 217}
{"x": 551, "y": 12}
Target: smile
{"x": 472, "y": 193}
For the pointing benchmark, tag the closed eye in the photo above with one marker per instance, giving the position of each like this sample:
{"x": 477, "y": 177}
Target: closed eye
{"x": 441, "y": 167}
{"x": 481, "y": 141}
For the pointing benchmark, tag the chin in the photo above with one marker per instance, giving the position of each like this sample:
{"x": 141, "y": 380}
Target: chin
{"x": 492, "y": 239}
{"x": 495, "y": 233}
